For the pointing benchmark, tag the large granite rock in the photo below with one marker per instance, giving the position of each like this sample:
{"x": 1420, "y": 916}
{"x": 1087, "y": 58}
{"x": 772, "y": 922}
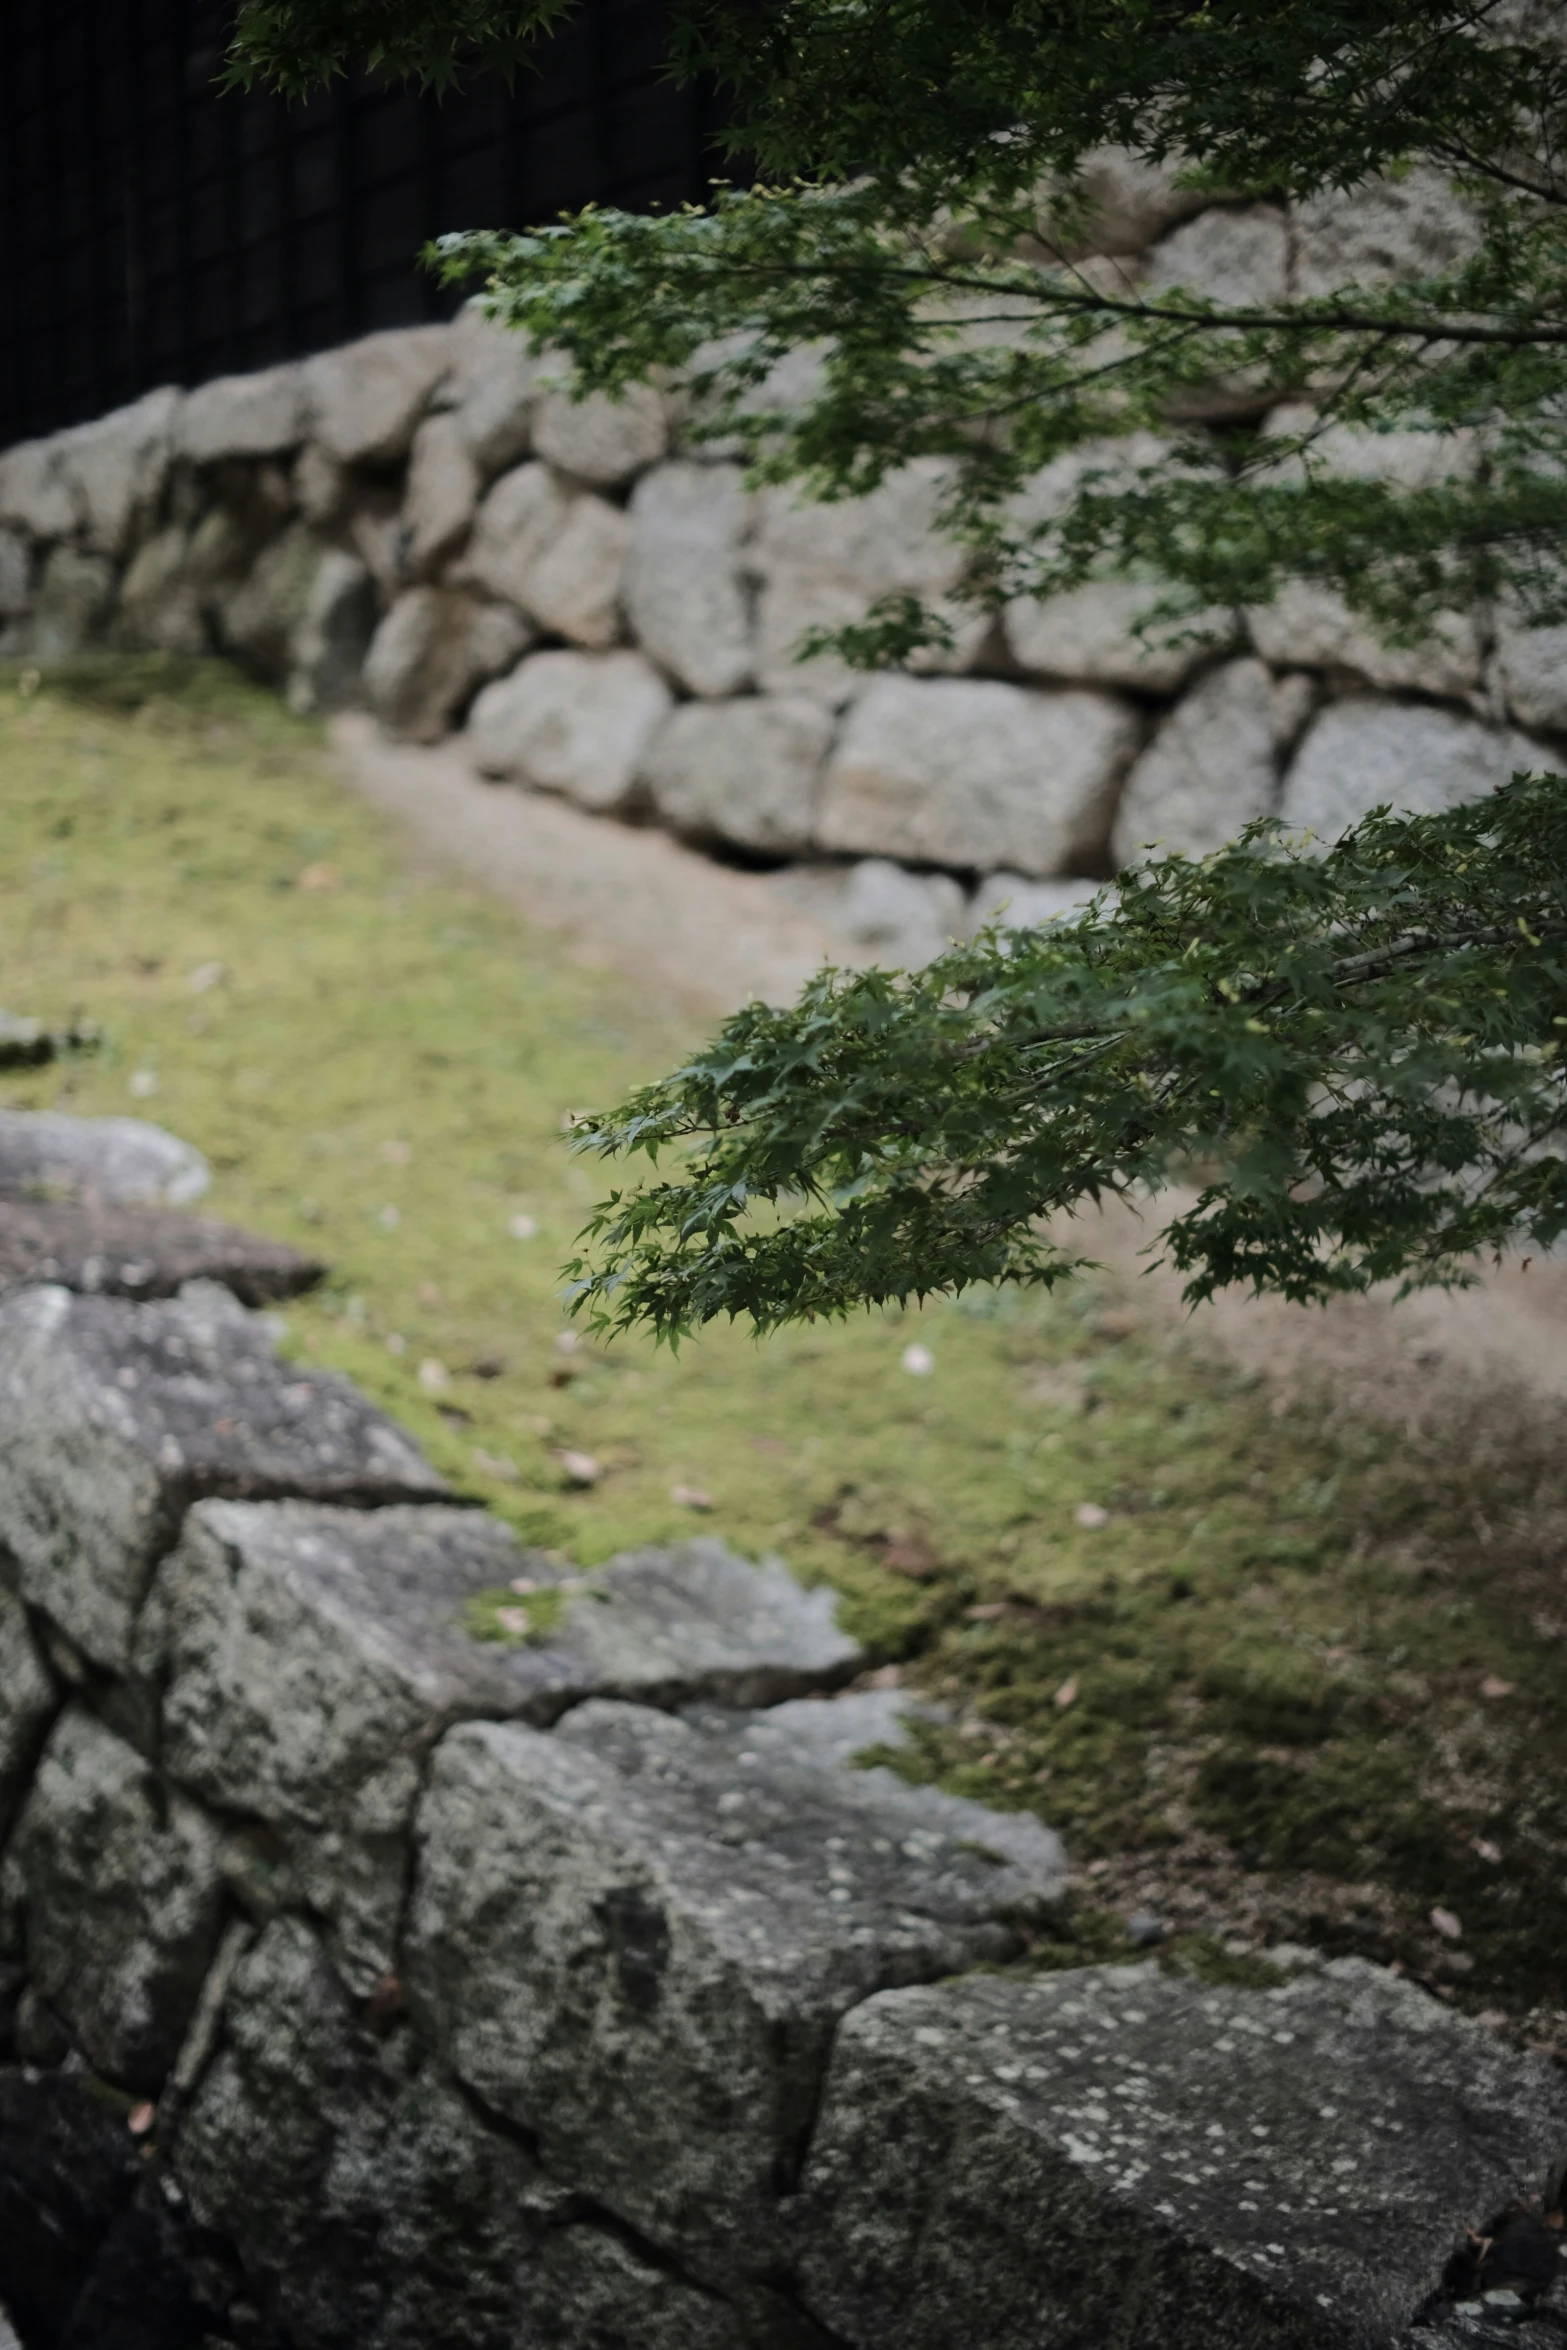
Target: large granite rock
{"x": 362, "y": 402}
{"x": 1018, "y": 904}
{"x": 1091, "y": 633}
{"x": 33, "y": 495}
{"x": 115, "y": 468}
{"x": 160, "y": 606}
{"x": 602, "y": 442}
{"x": 16, "y": 574}
{"x": 1127, "y": 203}
{"x": 885, "y": 913}
{"x": 522, "y": 516}
{"x": 573, "y": 586}
{"x": 443, "y": 490}
{"x": 118, "y": 1886}
{"x": 635, "y": 1938}
{"x": 1362, "y": 753}
{"x": 1376, "y": 233}
{"x": 141, "y": 1252}
{"x": 1117, "y": 2155}
{"x": 72, "y": 606}
{"x": 685, "y": 597}
{"x": 115, "y": 1417}
{"x": 578, "y": 723}
{"x": 747, "y": 771}
{"x": 972, "y": 772}
{"x": 492, "y": 389}
{"x": 28, "y": 1703}
{"x": 1213, "y": 766}
{"x": 432, "y": 652}
{"x": 824, "y": 566}
{"x": 372, "y": 2204}
{"x": 1531, "y": 668}
{"x": 305, "y": 610}
{"x": 258, "y": 415}
{"x": 124, "y": 1162}
{"x": 313, "y": 1656}
{"x": 1234, "y": 255}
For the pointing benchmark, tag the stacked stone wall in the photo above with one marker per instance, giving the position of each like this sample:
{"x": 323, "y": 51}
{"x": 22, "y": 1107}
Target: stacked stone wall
{"x": 420, "y": 522}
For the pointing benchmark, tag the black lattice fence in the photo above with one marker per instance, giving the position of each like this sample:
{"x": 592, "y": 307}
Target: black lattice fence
{"x": 153, "y": 231}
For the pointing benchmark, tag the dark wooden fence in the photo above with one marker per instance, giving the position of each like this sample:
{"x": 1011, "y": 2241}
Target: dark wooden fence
{"x": 153, "y": 231}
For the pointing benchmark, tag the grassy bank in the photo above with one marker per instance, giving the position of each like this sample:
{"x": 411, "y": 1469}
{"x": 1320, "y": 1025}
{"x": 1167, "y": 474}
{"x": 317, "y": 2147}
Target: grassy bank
{"x": 1274, "y": 1672}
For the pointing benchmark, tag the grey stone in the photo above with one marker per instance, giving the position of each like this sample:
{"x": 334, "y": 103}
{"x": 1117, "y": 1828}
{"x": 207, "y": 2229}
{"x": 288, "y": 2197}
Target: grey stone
{"x": 522, "y": 516}
{"x": 118, "y": 1884}
{"x": 313, "y": 1657}
{"x": 1531, "y": 665}
{"x": 328, "y": 648}
{"x": 16, "y": 566}
{"x": 72, "y": 604}
{"x": 601, "y": 441}
{"x": 115, "y": 1417}
{"x": 1237, "y": 256}
{"x": 1115, "y": 2154}
{"x": 323, "y": 488}
{"x": 141, "y": 1252}
{"x": 1362, "y": 753}
{"x": 33, "y": 495}
{"x": 123, "y": 1161}
{"x": 1380, "y": 231}
{"x": 28, "y": 1702}
{"x": 432, "y": 651}
{"x": 1020, "y": 904}
{"x": 887, "y": 914}
{"x": 595, "y": 2292}
{"x": 363, "y": 401}
{"x": 9, "y": 2338}
{"x": 635, "y": 1938}
{"x": 160, "y": 606}
{"x": 1129, "y": 201}
{"x": 826, "y": 565}
{"x": 578, "y": 723}
{"x": 972, "y": 772}
{"x": 685, "y": 596}
{"x": 115, "y": 469}
{"x": 1091, "y": 632}
{"x": 573, "y": 585}
{"x": 258, "y": 415}
{"x": 1213, "y": 766}
{"x": 747, "y": 771}
{"x": 443, "y": 490}
{"x": 493, "y": 387}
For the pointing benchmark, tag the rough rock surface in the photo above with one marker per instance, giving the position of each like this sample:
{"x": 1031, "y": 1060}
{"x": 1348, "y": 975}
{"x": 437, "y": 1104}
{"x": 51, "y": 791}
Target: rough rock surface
{"x": 901, "y": 918}
{"x": 578, "y": 723}
{"x": 1234, "y": 255}
{"x": 1532, "y": 668}
{"x": 431, "y": 653}
{"x": 959, "y": 771}
{"x": 573, "y": 587}
{"x": 364, "y": 401}
{"x": 520, "y": 518}
{"x": 651, "y": 1936}
{"x": 160, "y": 603}
{"x": 492, "y": 388}
{"x": 1361, "y": 753}
{"x": 115, "y": 467}
{"x": 28, "y": 1701}
{"x": 16, "y": 565}
{"x": 1019, "y": 904}
{"x": 258, "y": 415}
{"x": 115, "y": 1417}
{"x": 123, "y": 1161}
{"x": 1214, "y": 764}
{"x": 71, "y": 607}
{"x": 600, "y": 441}
{"x": 32, "y": 493}
{"x": 685, "y": 597}
{"x": 1221, "y": 2168}
{"x": 747, "y": 771}
{"x": 118, "y": 1887}
{"x": 1091, "y": 632}
{"x": 443, "y": 490}
{"x": 1414, "y": 226}
{"x": 141, "y": 1252}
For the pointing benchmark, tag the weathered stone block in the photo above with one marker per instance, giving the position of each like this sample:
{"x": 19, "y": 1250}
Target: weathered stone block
{"x": 635, "y": 1937}
{"x": 443, "y": 490}
{"x": 492, "y": 389}
{"x": 886, "y": 913}
{"x": 573, "y": 585}
{"x": 258, "y": 415}
{"x": 115, "y": 1417}
{"x": 1213, "y": 766}
{"x": 73, "y": 602}
{"x": 1315, "y": 627}
{"x": 160, "y": 604}
{"x": 1361, "y": 753}
{"x": 119, "y": 1888}
{"x": 578, "y": 723}
{"x": 28, "y": 1703}
{"x": 1090, "y": 632}
{"x": 141, "y": 1252}
{"x": 520, "y": 519}
{"x": 433, "y": 650}
{"x": 747, "y": 771}
{"x": 685, "y": 597}
{"x": 1130, "y": 202}
{"x": 1531, "y": 666}
{"x": 1377, "y": 232}
{"x": 601, "y": 441}
{"x": 1116, "y": 2155}
{"x": 826, "y": 565}
{"x": 33, "y": 495}
{"x": 362, "y": 402}
{"x": 16, "y": 571}
{"x": 327, "y": 648}
{"x": 126, "y": 1161}
{"x": 1235, "y": 255}
{"x": 968, "y": 772}
{"x": 115, "y": 468}
{"x": 1019, "y": 904}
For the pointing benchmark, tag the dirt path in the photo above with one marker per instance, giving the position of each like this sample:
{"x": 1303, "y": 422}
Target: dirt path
{"x": 705, "y": 937}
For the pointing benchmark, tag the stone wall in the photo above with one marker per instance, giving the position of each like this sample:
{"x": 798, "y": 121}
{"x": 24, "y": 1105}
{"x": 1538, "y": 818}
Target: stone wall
{"x": 419, "y": 522}
{"x": 408, "y": 1942}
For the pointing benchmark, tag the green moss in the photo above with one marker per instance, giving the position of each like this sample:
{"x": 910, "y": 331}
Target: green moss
{"x": 1281, "y": 1633}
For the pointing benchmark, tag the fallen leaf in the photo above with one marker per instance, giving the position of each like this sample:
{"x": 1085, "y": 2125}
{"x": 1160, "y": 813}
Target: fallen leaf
{"x": 1089, "y": 1514}
{"x": 434, "y": 1377}
{"x": 1067, "y": 1693}
{"x": 140, "y": 2119}
{"x": 919, "y": 1360}
{"x": 691, "y": 1497}
{"x": 1447, "y": 1925}
{"x": 1492, "y": 1687}
{"x": 580, "y": 1467}
{"x": 321, "y": 876}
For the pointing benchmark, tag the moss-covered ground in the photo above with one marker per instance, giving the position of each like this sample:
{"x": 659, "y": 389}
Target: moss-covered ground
{"x": 1277, "y": 1672}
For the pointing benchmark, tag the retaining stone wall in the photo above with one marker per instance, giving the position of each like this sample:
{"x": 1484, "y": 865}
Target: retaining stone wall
{"x": 419, "y": 522}
{"x": 367, "y": 1982}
